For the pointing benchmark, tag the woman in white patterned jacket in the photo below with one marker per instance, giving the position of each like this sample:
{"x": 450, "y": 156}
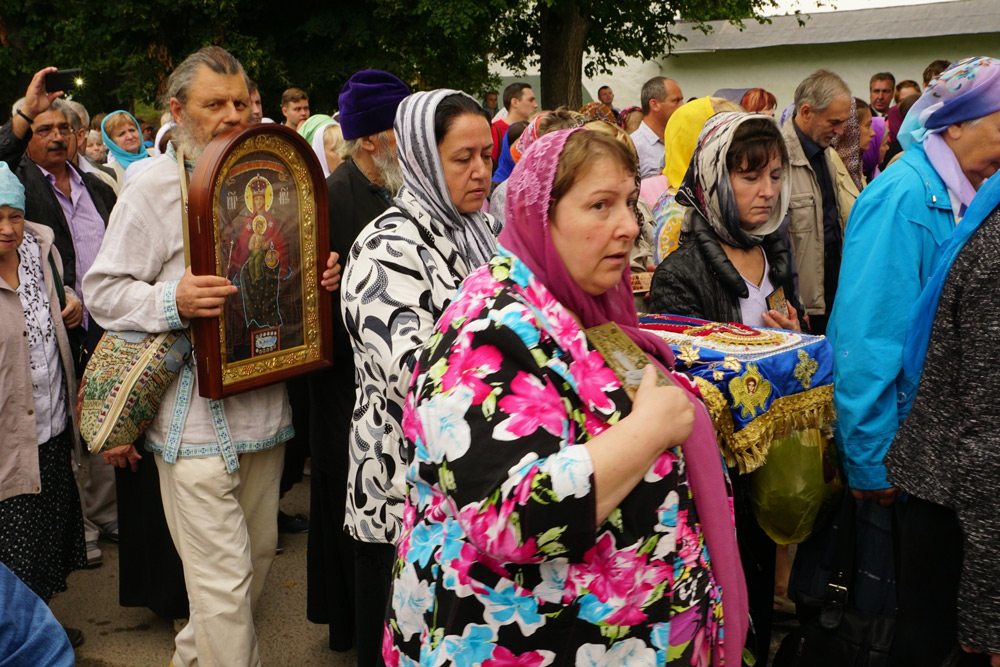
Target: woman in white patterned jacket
{"x": 401, "y": 274}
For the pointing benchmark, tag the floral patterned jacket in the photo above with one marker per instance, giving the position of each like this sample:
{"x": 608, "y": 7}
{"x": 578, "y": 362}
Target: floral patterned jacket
{"x": 501, "y": 561}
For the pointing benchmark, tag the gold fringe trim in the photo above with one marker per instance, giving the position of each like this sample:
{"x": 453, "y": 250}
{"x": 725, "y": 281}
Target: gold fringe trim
{"x": 747, "y": 449}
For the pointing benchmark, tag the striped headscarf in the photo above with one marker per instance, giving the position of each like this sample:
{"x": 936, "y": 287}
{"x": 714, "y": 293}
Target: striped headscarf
{"x": 424, "y": 182}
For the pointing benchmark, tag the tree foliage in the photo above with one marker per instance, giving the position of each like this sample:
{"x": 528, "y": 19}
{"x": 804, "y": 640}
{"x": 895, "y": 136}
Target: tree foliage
{"x": 613, "y": 31}
{"x": 128, "y": 49}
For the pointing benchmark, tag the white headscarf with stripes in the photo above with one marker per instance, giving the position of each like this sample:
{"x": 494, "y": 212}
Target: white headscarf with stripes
{"x": 423, "y": 178}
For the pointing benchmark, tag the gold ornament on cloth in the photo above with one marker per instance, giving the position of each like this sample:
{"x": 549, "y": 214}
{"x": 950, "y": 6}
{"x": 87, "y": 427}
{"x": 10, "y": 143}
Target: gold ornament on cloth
{"x": 735, "y": 334}
{"x": 689, "y": 354}
{"x": 750, "y": 391}
{"x": 746, "y": 449}
{"x": 732, "y": 363}
{"x": 805, "y": 369}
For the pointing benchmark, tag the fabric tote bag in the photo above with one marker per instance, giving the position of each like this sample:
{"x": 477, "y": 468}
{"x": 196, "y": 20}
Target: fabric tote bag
{"x": 123, "y": 383}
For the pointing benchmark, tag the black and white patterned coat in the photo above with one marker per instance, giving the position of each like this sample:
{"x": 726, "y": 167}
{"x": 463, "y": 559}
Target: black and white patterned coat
{"x": 401, "y": 274}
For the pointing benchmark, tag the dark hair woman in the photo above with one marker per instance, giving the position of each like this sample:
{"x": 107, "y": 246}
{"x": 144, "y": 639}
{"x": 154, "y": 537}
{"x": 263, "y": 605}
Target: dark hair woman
{"x": 731, "y": 258}
{"x": 731, "y": 255}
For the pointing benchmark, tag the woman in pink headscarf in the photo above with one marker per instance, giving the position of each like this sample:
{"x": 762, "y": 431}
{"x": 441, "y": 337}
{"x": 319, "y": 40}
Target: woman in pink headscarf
{"x": 551, "y": 514}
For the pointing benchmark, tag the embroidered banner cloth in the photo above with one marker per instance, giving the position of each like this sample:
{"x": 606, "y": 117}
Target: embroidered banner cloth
{"x": 758, "y": 384}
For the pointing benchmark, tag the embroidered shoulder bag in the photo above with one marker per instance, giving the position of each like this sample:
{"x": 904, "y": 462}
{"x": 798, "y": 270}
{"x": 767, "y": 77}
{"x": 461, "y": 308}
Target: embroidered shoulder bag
{"x": 127, "y": 375}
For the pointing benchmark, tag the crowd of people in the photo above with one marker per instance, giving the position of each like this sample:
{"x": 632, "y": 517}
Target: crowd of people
{"x": 484, "y": 489}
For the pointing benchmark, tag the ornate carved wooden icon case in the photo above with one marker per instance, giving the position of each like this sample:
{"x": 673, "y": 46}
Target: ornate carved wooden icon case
{"x": 257, "y": 215}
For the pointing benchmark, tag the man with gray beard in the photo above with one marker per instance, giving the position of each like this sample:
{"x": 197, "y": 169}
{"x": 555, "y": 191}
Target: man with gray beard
{"x": 359, "y": 190}
{"x": 219, "y": 462}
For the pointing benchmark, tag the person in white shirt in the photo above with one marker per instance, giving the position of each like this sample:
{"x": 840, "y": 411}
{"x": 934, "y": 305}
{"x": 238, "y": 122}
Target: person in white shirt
{"x": 219, "y": 462}
{"x": 660, "y": 97}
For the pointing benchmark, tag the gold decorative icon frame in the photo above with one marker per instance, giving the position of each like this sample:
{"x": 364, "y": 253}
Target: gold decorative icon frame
{"x": 258, "y": 216}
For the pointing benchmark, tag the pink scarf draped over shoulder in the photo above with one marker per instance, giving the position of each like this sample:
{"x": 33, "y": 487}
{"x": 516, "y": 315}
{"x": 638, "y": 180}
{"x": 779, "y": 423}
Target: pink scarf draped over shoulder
{"x": 526, "y": 235}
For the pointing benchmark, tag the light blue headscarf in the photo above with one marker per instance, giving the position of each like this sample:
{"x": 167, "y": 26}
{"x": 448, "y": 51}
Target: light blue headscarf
{"x": 11, "y": 190}
{"x": 967, "y": 90}
{"x": 121, "y": 155}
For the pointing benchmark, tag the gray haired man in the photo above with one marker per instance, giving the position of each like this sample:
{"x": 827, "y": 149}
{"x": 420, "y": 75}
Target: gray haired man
{"x": 659, "y": 98}
{"x": 816, "y": 221}
{"x": 219, "y": 462}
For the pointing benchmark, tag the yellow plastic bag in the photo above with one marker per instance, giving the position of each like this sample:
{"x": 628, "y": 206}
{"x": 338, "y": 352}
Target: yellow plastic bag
{"x": 797, "y": 487}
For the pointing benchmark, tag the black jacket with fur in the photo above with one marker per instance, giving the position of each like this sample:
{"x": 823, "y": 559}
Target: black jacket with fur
{"x": 698, "y": 280}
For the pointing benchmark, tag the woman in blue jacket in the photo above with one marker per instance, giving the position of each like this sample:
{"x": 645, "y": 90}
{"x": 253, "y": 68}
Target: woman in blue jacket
{"x": 898, "y": 232}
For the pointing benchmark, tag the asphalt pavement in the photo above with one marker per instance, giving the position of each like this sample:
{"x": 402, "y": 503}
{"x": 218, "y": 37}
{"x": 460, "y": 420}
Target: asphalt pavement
{"x": 116, "y": 636}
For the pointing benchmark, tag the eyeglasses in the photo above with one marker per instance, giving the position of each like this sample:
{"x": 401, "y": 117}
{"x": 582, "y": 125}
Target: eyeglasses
{"x": 45, "y": 130}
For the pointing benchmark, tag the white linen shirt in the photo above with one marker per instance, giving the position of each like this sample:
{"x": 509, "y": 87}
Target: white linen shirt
{"x": 132, "y": 286}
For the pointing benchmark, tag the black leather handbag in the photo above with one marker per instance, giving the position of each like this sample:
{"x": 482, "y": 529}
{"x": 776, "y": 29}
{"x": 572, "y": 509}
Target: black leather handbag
{"x": 845, "y": 624}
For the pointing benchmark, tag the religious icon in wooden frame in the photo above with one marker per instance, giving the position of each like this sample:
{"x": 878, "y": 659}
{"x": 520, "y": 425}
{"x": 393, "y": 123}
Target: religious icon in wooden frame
{"x": 257, "y": 215}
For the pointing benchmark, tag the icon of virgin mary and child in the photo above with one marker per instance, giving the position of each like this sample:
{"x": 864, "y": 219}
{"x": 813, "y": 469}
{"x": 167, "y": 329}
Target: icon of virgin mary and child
{"x": 259, "y": 259}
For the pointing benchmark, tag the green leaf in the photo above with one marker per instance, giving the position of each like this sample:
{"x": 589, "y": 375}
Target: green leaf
{"x": 615, "y": 519}
{"x": 437, "y": 370}
{"x": 489, "y": 405}
{"x": 551, "y": 534}
{"x": 446, "y": 478}
{"x": 649, "y": 545}
{"x": 553, "y": 549}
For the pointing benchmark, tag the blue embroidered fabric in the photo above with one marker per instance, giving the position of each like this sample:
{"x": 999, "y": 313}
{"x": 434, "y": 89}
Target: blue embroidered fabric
{"x": 768, "y": 389}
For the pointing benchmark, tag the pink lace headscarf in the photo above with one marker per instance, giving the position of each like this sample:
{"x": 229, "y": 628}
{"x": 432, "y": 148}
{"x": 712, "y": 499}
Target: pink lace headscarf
{"x": 526, "y": 235}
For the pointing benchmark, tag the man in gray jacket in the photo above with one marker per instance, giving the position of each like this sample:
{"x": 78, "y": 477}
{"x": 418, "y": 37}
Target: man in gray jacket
{"x": 816, "y": 223}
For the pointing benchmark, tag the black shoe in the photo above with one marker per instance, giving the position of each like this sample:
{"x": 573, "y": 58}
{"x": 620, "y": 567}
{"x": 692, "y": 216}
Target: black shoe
{"x": 280, "y": 548}
{"x": 292, "y": 524}
{"x": 75, "y": 636}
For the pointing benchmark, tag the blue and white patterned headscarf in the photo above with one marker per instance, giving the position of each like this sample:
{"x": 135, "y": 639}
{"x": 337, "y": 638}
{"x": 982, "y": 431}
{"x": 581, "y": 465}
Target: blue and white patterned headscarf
{"x": 968, "y": 89}
{"x": 423, "y": 178}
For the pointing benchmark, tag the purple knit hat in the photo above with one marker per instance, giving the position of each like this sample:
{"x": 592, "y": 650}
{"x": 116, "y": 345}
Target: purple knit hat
{"x": 368, "y": 102}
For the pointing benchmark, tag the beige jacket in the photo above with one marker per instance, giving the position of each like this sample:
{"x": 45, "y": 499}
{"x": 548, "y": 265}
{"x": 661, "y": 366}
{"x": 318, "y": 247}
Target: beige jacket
{"x": 805, "y": 212}
{"x": 19, "y": 449}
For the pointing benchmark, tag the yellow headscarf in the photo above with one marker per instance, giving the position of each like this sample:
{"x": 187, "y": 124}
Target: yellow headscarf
{"x": 681, "y": 137}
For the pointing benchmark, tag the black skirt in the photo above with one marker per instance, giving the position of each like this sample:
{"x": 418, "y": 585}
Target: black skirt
{"x": 41, "y": 534}
{"x": 150, "y": 573}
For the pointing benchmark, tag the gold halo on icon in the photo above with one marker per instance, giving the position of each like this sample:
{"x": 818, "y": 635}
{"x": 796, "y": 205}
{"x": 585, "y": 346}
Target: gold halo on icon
{"x": 268, "y": 194}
